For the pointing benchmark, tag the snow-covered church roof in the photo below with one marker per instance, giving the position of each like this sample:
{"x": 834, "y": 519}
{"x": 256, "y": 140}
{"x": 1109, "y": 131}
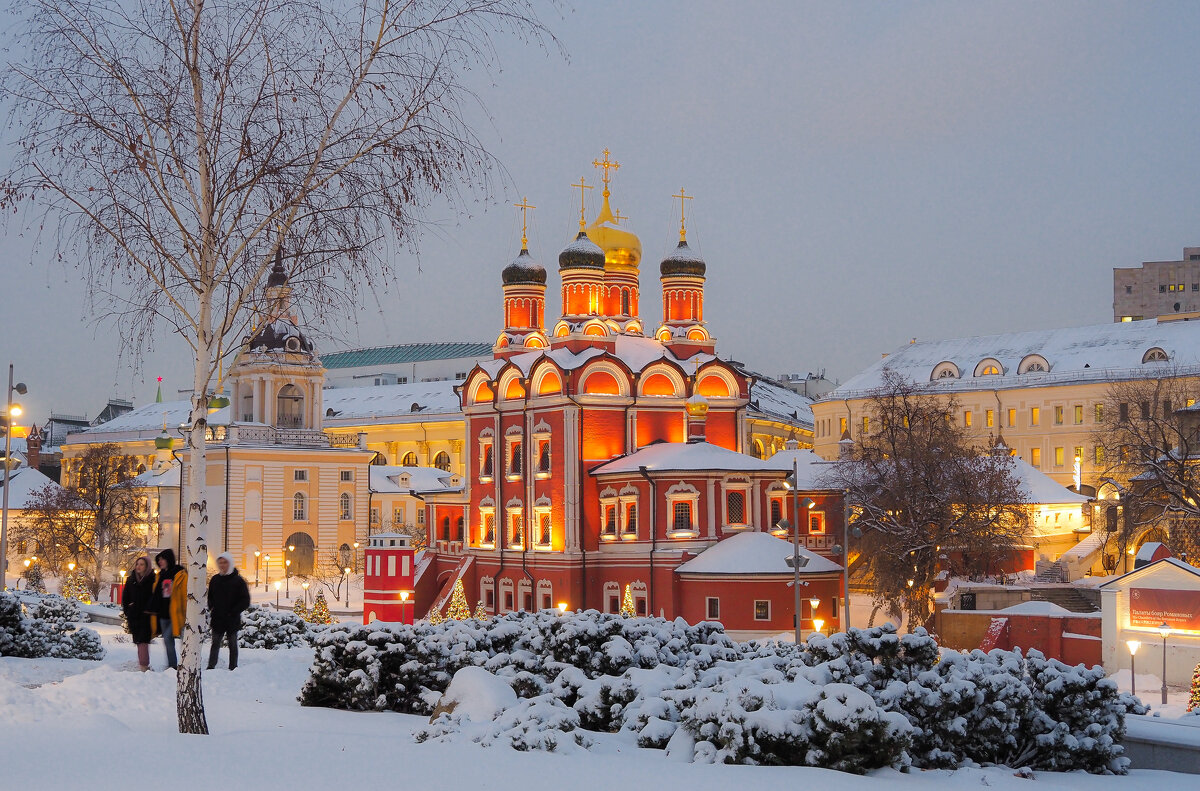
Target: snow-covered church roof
{"x": 22, "y": 483}
{"x": 414, "y": 401}
{"x": 755, "y": 553}
{"x": 393, "y": 479}
{"x": 1099, "y": 352}
{"x": 684, "y": 457}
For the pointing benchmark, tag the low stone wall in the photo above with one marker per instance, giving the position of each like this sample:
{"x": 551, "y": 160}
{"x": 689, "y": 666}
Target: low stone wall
{"x": 1072, "y": 638}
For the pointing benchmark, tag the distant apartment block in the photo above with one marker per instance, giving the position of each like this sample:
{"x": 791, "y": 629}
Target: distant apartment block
{"x": 1158, "y": 289}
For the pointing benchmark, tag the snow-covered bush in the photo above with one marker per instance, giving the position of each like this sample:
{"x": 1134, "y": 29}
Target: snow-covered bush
{"x": 856, "y": 701}
{"x": 266, "y": 628}
{"x": 31, "y": 637}
{"x": 58, "y": 610}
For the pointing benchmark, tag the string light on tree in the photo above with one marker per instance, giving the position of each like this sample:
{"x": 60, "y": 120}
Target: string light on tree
{"x": 627, "y": 602}
{"x": 300, "y": 610}
{"x": 435, "y": 616}
{"x": 320, "y": 610}
{"x": 1194, "y": 699}
{"x": 459, "y": 609}
{"x": 480, "y": 612}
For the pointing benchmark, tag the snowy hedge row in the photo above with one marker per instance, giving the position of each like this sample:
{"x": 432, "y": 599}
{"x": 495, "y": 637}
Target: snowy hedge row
{"x": 44, "y": 630}
{"x": 265, "y": 627}
{"x": 853, "y": 702}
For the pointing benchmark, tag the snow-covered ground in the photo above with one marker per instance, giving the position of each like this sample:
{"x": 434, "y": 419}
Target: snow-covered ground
{"x": 102, "y": 725}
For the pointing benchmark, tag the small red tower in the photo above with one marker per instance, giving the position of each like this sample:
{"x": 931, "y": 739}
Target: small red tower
{"x": 388, "y": 581}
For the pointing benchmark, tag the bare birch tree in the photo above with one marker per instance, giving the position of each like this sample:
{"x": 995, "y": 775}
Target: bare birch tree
{"x": 172, "y": 147}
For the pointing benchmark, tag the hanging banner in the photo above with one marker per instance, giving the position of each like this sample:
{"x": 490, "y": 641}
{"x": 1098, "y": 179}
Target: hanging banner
{"x": 1152, "y": 607}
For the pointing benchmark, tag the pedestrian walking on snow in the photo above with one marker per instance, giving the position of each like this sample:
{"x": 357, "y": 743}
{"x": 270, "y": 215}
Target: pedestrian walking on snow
{"x": 169, "y": 602}
{"x": 228, "y": 597}
{"x": 135, "y": 601}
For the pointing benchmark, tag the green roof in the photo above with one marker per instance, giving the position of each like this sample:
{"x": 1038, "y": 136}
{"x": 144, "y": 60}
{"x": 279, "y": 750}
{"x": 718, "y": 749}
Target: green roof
{"x": 405, "y": 353}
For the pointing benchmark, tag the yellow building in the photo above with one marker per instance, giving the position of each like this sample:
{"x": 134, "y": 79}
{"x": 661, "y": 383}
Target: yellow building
{"x": 1044, "y": 392}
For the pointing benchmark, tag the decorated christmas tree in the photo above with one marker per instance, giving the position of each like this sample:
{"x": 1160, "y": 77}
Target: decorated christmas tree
{"x": 435, "y": 616}
{"x": 320, "y": 610}
{"x": 459, "y": 609}
{"x": 480, "y": 612}
{"x": 627, "y": 602}
{"x": 75, "y": 587}
{"x": 1194, "y": 699}
{"x": 300, "y": 610}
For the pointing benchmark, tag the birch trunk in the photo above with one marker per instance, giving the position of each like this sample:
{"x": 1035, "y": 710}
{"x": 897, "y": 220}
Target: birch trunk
{"x": 189, "y": 694}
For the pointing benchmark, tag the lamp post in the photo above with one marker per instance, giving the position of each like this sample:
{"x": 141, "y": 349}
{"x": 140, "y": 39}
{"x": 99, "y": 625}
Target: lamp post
{"x": 257, "y": 555}
{"x": 1133, "y": 646}
{"x": 287, "y": 576}
{"x": 797, "y": 562}
{"x": 1165, "y": 631}
{"x": 12, "y": 410}
{"x": 346, "y": 571}
{"x": 278, "y": 585}
{"x": 814, "y": 603}
{"x": 355, "y": 545}
{"x": 818, "y": 625}
{"x": 305, "y": 586}
{"x": 267, "y": 580}
{"x": 403, "y": 604}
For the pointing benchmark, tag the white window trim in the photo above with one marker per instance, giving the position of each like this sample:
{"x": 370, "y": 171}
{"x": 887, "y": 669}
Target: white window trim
{"x": 538, "y": 512}
{"x": 694, "y": 501}
{"x": 745, "y": 489}
{"x": 623, "y": 504}
{"x": 485, "y": 446}
{"x": 539, "y": 473}
{"x": 824, "y": 526}
{"x": 707, "y": 609}
{"x": 484, "y": 512}
{"x": 755, "y": 610}
{"x": 510, "y": 510}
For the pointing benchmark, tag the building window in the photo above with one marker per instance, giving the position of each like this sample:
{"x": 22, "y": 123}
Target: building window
{"x": 610, "y": 519}
{"x": 1058, "y": 457}
{"x": 1145, "y": 410}
{"x": 300, "y": 475}
{"x": 1099, "y": 413}
{"x": 631, "y": 518}
{"x": 486, "y": 462}
{"x": 374, "y": 516}
{"x": 516, "y": 535}
{"x": 1123, "y": 413}
{"x": 1058, "y": 416}
{"x": 990, "y": 370}
{"x": 735, "y": 508}
{"x": 544, "y": 457}
{"x": 347, "y": 513}
{"x": 1162, "y": 289}
{"x": 1012, "y": 418}
{"x": 841, "y": 426}
{"x": 776, "y": 512}
{"x": 1035, "y": 457}
{"x": 299, "y": 508}
{"x": 866, "y": 425}
{"x": 544, "y": 536}
{"x": 713, "y": 608}
{"x": 420, "y": 516}
{"x": 762, "y": 610}
{"x": 489, "y": 529}
{"x": 967, "y": 418}
{"x": 1099, "y": 455}
{"x": 409, "y": 460}
{"x": 442, "y": 461}
{"x": 514, "y": 460}
{"x": 489, "y": 599}
{"x": 347, "y": 475}
{"x": 816, "y": 523}
{"x": 989, "y": 418}
{"x": 1079, "y": 414}
{"x": 1035, "y": 416}
{"x": 681, "y": 516}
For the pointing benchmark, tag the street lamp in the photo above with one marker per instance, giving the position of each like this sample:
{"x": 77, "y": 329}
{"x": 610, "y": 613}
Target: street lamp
{"x": 814, "y": 602}
{"x": 818, "y": 624}
{"x": 1133, "y": 646}
{"x": 403, "y": 602}
{"x": 12, "y": 411}
{"x": 278, "y": 585}
{"x": 305, "y": 586}
{"x": 287, "y": 575}
{"x": 355, "y": 545}
{"x": 346, "y": 571}
{"x": 257, "y": 555}
{"x": 1165, "y": 631}
{"x": 562, "y": 608}
{"x": 267, "y": 580}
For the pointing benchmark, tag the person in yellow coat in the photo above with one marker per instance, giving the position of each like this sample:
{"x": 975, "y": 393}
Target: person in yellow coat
{"x": 169, "y": 601}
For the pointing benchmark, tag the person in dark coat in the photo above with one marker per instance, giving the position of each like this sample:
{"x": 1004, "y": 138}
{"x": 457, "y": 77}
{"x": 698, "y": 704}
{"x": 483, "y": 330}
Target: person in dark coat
{"x": 135, "y": 601}
{"x": 169, "y": 602}
{"x": 228, "y": 597}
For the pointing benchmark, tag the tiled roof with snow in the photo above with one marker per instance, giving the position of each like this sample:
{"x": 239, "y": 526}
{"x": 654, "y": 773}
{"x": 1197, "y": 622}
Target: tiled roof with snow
{"x": 22, "y": 483}
{"x": 815, "y": 473}
{"x": 148, "y": 421}
{"x": 1040, "y": 489}
{"x": 754, "y": 553}
{"x": 1099, "y": 352}
{"x": 364, "y": 404}
{"x": 385, "y": 479}
{"x": 772, "y": 400}
{"x": 685, "y": 457}
{"x": 405, "y": 353}
{"x": 166, "y": 478}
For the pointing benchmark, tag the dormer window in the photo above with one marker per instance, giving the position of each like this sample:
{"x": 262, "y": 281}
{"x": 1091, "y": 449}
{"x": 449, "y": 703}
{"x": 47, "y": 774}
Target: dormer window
{"x": 944, "y": 370}
{"x": 989, "y": 367}
{"x": 1033, "y": 363}
{"x": 1155, "y": 355}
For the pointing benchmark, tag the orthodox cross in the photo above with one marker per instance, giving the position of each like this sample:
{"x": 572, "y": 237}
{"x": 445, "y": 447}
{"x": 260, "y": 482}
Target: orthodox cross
{"x": 607, "y": 165}
{"x": 683, "y": 196}
{"x": 524, "y": 206}
{"x": 582, "y": 185}
{"x": 618, "y": 216}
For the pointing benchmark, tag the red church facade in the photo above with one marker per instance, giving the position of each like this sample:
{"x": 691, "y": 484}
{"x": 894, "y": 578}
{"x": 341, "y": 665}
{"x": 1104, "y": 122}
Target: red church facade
{"x": 602, "y": 460}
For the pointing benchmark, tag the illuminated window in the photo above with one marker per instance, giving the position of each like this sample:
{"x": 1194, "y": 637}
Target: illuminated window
{"x": 1035, "y": 416}
{"x": 514, "y": 460}
{"x": 1099, "y": 413}
{"x": 1058, "y": 416}
{"x": 682, "y": 516}
{"x": 398, "y": 515}
{"x": 489, "y": 529}
{"x": 347, "y": 515}
{"x": 1012, "y": 418}
{"x": 409, "y": 460}
{"x": 1099, "y": 455}
{"x": 1058, "y": 457}
{"x": 631, "y": 518}
{"x": 1035, "y": 457}
{"x": 610, "y": 520}
{"x": 841, "y": 426}
{"x": 516, "y": 532}
{"x": 544, "y": 530}
{"x": 967, "y": 418}
{"x": 990, "y": 370}
{"x": 989, "y": 418}
{"x": 762, "y": 610}
{"x": 1079, "y": 414}
{"x": 442, "y": 461}
{"x": 544, "y": 456}
{"x": 776, "y": 512}
{"x": 487, "y": 461}
{"x": 299, "y": 508}
{"x": 866, "y": 425}
{"x": 816, "y": 523}
{"x": 735, "y": 508}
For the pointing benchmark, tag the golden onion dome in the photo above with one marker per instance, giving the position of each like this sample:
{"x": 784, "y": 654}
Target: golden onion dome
{"x": 622, "y": 248}
{"x": 697, "y": 406}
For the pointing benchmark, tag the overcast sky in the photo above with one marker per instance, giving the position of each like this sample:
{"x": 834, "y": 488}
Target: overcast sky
{"x": 863, "y": 173}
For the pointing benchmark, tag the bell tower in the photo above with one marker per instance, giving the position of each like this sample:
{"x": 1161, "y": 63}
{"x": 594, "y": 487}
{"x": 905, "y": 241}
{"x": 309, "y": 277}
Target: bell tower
{"x": 682, "y": 274}
{"x": 524, "y": 282}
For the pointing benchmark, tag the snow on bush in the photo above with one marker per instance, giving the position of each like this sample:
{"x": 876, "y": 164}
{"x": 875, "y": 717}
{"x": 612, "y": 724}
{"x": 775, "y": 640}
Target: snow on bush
{"x": 263, "y": 627}
{"x": 55, "y": 609}
{"x": 29, "y": 636}
{"x": 856, "y": 701}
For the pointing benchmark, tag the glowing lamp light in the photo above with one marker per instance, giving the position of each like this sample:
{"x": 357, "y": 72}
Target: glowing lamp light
{"x": 71, "y": 566}
{"x": 347, "y": 569}
{"x": 815, "y": 602}
{"x": 258, "y": 554}
{"x": 278, "y": 585}
{"x": 910, "y": 583}
{"x": 1133, "y": 646}
{"x": 818, "y": 624}
{"x": 122, "y": 573}
{"x": 562, "y": 607}
{"x": 304, "y": 585}
{"x": 404, "y": 596}
{"x": 15, "y": 410}
{"x": 1164, "y": 631}
{"x": 27, "y": 562}
{"x": 291, "y": 547}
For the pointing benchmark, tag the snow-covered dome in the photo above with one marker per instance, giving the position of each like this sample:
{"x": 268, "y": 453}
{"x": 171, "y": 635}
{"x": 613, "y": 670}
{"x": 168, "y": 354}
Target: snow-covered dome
{"x": 682, "y": 261}
{"x": 582, "y": 253}
{"x": 524, "y": 269}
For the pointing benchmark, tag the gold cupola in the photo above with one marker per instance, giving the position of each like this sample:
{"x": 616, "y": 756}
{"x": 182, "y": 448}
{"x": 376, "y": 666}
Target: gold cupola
{"x": 622, "y": 248}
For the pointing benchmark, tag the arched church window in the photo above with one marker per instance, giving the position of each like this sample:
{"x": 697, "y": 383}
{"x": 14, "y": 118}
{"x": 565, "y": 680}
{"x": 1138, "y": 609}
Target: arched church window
{"x": 442, "y": 461}
{"x": 409, "y": 460}
{"x": 289, "y": 410}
